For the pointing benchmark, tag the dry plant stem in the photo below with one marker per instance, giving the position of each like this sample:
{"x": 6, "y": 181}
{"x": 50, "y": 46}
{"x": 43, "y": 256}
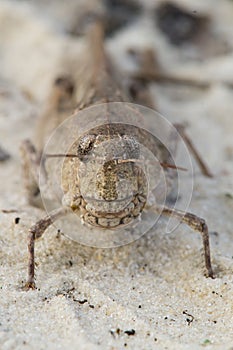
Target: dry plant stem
{"x": 150, "y": 70}
{"x": 9, "y": 211}
{"x": 35, "y": 232}
{"x": 197, "y": 224}
{"x": 169, "y": 79}
{"x": 164, "y": 78}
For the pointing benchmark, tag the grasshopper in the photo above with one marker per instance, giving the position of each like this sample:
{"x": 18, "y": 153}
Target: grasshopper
{"x": 116, "y": 195}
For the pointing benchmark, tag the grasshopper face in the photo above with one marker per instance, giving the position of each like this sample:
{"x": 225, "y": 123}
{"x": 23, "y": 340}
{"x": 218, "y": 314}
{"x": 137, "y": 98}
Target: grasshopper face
{"x": 112, "y": 186}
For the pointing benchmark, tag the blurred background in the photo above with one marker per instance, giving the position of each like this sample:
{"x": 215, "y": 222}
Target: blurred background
{"x": 192, "y": 46}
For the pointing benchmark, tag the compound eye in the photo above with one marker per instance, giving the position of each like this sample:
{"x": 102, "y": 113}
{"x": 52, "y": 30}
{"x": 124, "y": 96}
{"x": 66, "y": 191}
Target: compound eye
{"x": 85, "y": 146}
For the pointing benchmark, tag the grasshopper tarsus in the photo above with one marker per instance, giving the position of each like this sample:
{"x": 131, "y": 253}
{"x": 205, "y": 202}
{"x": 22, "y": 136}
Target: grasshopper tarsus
{"x": 29, "y": 286}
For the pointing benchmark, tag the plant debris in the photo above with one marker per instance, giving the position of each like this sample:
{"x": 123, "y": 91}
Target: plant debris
{"x": 115, "y": 332}
{"x": 17, "y": 220}
{"x": 130, "y": 332}
{"x": 81, "y": 301}
{"x": 190, "y": 317}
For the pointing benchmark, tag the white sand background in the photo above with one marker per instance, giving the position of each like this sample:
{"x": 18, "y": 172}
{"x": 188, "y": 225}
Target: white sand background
{"x": 87, "y": 298}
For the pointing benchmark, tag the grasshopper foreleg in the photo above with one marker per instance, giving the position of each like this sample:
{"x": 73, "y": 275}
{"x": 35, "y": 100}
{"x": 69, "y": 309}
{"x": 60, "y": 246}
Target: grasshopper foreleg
{"x": 35, "y": 232}
{"x": 197, "y": 224}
